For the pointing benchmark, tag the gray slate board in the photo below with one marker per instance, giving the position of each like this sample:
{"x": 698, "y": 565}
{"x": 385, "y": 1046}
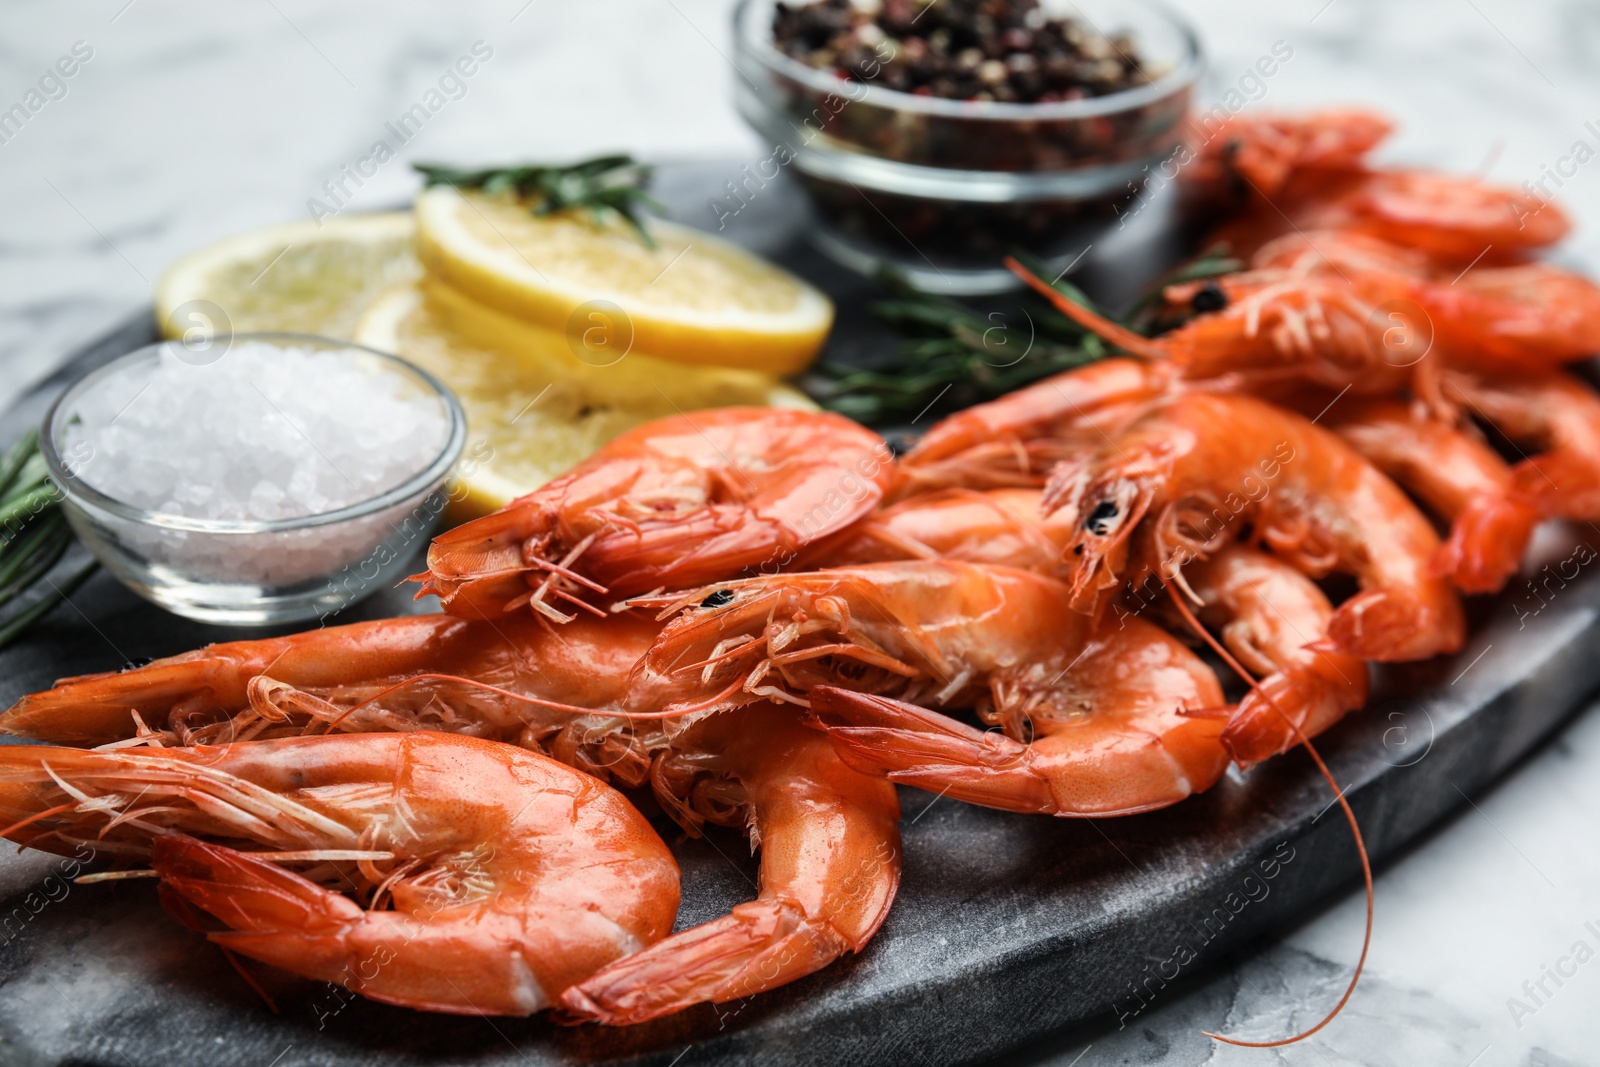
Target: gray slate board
{"x": 1007, "y": 928}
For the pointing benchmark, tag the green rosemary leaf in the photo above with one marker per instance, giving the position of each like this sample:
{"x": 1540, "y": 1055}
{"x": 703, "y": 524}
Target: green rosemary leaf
{"x": 26, "y": 446}
{"x": 27, "y": 505}
{"x": 613, "y": 183}
{"x": 26, "y": 545}
{"x": 953, "y": 355}
{"x": 19, "y": 623}
{"x": 31, "y": 476}
{"x": 28, "y": 570}
{"x": 33, "y": 536}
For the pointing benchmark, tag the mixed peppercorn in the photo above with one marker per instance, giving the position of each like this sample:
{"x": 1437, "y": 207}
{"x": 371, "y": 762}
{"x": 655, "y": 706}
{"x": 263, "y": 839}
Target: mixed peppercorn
{"x": 1005, "y": 50}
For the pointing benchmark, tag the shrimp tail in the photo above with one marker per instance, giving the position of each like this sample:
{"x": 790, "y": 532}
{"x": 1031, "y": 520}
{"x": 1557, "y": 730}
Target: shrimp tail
{"x": 1486, "y": 543}
{"x": 1299, "y": 701}
{"x": 917, "y": 747}
{"x": 94, "y": 709}
{"x": 914, "y": 746}
{"x": 1565, "y": 482}
{"x": 761, "y": 945}
{"x": 1387, "y": 627}
{"x": 830, "y": 867}
{"x": 280, "y": 919}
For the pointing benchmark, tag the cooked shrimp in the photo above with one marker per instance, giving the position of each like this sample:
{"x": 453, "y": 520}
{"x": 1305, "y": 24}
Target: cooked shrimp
{"x": 1000, "y": 526}
{"x": 1202, "y": 470}
{"x": 830, "y": 864}
{"x": 1267, "y": 611}
{"x": 1273, "y": 618}
{"x": 1448, "y": 216}
{"x": 1014, "y": 441}
{"x": 1454, "y": 220}
{"x": 1514, "y": 318}
{"x": 529, "y": 683}
{"x": 941, "y": 632}
{"x": 489, "y": 879}
{"x": 1114, "y": 739}
{"x": 1505, "y": 318}
{"x": 1455, "y": 476}
{"x": 675, "y": 503}
{"x": 1556, "y": 416}
{"x": 1274, "y": 325}
{"x": 1258, "y": 152}
{"x": 760, "y": 762}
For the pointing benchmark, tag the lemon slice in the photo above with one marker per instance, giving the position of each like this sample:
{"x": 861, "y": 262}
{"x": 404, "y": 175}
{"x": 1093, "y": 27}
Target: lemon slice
{"x": 533, "y": 409}
{"x": 299, "y": 277}
{"x": 692, "y": 298}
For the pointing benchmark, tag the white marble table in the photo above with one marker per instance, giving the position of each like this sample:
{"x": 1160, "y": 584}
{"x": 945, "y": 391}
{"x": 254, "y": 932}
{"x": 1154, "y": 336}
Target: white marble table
{"x": 191, "y": 120}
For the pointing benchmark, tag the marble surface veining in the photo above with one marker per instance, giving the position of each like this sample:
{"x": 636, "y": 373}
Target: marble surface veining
{"x": 187, "y": 121}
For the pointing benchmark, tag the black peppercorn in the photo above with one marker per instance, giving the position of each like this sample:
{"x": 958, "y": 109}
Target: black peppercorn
{"x": 1008, "y": 50}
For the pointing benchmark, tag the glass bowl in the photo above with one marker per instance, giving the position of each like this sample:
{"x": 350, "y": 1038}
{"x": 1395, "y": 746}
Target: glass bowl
{"x": 243, "y": 572}
{"x": 941, "y": 190}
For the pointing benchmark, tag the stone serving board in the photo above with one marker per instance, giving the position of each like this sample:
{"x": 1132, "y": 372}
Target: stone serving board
{"x": 1007, "y": 928}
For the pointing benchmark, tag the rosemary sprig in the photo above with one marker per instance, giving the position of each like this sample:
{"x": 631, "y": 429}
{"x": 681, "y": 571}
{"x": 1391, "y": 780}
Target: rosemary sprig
{"x": 954, "y": 355}
{"x": 606, "y": 183}
{"x": 33, "y": 537}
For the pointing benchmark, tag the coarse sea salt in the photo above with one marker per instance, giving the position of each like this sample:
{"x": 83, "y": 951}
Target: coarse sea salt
{"x": 266, "y": 432}
{"x": 283, "y": 432}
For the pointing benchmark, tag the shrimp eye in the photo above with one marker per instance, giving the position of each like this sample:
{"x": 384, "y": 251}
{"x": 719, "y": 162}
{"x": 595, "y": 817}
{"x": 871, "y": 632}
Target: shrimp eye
{"x": 135, "y": 664}
{"x": 1210, "y": 297}
{"x": 719, "y": 599}
{"x": 1103, "y": 513}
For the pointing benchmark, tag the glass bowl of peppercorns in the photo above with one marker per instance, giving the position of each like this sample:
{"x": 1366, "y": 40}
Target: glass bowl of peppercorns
{"x": 934, "y": 137}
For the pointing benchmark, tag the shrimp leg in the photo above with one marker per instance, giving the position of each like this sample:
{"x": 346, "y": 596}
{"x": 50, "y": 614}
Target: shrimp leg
{"x": 94, "y": 709}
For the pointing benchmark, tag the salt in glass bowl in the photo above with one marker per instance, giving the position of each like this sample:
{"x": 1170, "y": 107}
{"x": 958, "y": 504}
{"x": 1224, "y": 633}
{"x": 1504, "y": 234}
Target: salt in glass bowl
{"x": 941, "y": 190}
{"x": 249, "y": 573}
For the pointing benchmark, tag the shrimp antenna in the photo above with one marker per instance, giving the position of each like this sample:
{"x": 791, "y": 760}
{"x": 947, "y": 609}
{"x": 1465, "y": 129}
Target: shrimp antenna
{"x": 509, "y": 694}
{"x": 1120, "y": 336}
{"x": 1338, "y": 794}
{"x": 47, "y": 813}
{"x": 250, "y": 980}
